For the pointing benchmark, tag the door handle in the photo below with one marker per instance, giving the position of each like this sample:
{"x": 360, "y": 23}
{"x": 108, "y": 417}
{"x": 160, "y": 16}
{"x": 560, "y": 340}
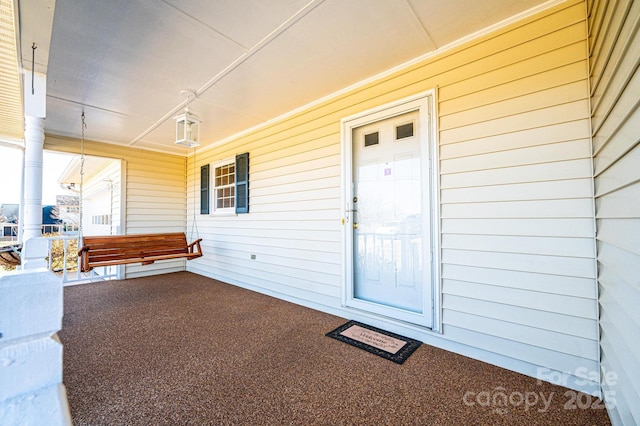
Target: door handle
{"x": 355, "y": 226}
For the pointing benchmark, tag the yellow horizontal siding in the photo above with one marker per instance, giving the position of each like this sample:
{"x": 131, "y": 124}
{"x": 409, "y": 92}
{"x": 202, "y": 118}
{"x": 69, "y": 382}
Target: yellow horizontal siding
{"x": 531, "y": 281}
{"x": 526, "y": 221}
{"x": 11, "y": 108}
{"x": 566, "y": 344}
{"x": 612, "y": 25}
{"x": 461, "y": 302}
{"x": 615, "y": 85}
{"x": 513, "y": 109}
{"x": 431, "y": 73}
{"x": 509, "y": 72}
{"x": 572, "y": 169}
{"x": 545, "y": 80}
{"x": 561, "y": 151}
{"x": 154, "y": 187}
{"x": 522, "y": 104}
{"x": 547, "y": 116}
{"x": 514, "y": 146}
{"x": 548, "y": 190}
{"x": 527, "y": 138}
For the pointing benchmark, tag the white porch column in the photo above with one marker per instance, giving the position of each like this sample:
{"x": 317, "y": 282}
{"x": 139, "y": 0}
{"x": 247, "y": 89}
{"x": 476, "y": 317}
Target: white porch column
{"x": 34, "y": 140}
{"x": 35, "y": 111}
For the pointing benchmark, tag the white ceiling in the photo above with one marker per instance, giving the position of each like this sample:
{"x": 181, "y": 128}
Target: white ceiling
{"x": 125, "y": 62}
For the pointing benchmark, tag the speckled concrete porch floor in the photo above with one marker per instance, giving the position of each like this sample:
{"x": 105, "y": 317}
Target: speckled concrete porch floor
{"x": 181, "y": 349}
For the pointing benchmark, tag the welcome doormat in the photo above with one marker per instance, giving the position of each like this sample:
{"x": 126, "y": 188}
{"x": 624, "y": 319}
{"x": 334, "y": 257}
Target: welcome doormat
{"x": 383, "y": 343}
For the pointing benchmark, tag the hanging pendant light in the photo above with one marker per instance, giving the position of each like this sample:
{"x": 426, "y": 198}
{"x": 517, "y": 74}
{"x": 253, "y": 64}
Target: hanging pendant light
{"x": 187, "y": 125}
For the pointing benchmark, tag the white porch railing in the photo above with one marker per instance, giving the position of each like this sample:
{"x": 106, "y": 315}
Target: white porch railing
{"x": 63, "y": 253}
{"x": 9, "y": 231}
{"x": 63, "y": 259}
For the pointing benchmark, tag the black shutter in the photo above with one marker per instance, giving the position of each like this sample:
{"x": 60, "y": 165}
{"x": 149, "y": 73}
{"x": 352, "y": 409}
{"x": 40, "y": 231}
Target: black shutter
{"x": 242, "y": 183}
{"x": 204, "y": 189}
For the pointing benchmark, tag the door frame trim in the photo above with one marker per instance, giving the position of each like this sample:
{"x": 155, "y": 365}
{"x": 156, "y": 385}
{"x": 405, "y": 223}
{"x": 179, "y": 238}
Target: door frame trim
{"x": 425, "y": 104}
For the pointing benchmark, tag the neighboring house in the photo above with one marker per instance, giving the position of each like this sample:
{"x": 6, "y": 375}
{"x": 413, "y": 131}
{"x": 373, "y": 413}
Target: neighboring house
{"x": 68, "y": 211}
{"x": 9, "y": 214}
{"x": 51, "y": 223}
{"x": 495, "y": 183}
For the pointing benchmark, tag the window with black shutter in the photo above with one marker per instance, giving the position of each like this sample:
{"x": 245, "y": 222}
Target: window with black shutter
{"x": 229, "y": 186}
{"x": 204, "y": 189}
{"x": 242, "y": 183}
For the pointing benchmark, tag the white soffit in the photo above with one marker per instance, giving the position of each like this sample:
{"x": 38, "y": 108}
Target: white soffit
{"x": 92, "y": 167}
{"x": 11, "y": 111}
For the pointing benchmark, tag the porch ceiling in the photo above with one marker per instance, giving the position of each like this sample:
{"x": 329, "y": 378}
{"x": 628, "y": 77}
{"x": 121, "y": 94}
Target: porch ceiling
{"x": 125, "y": 62}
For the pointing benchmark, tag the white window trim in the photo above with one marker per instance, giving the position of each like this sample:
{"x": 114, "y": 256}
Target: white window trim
{"x": 213, "y": 201}
{"x": 425, "y": 103}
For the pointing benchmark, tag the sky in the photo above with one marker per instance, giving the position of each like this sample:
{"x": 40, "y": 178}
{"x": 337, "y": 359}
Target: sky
{"x": 10, "y": 166}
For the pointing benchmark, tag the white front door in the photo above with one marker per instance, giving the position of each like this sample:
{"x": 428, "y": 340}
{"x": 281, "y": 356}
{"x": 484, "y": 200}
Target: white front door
{"x": 390, "y": 218}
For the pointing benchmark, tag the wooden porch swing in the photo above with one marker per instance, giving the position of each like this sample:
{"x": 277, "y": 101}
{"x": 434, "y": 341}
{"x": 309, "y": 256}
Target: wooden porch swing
{"x": 109, "y": 250}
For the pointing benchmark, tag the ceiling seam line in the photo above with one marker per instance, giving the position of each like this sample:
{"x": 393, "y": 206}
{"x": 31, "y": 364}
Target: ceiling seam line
{"x": 419, "y": 22}
{"x": 88, "y": 105}
{"x": 306, "y": 9}
{"x": 243, "y": 47}
{"x": 441, "y": 50}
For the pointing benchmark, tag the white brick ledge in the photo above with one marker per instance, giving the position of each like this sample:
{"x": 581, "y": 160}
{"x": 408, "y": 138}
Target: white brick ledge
{"x": 31, "y": 389}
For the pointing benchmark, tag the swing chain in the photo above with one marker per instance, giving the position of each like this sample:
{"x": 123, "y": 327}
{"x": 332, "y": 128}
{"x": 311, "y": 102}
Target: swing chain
{"x": 83, "y": 128}
{"x": 194, "y": 225}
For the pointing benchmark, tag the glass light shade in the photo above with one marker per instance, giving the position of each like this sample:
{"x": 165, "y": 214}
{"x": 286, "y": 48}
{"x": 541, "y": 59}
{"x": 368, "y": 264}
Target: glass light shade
{"x": 187, "y": 129}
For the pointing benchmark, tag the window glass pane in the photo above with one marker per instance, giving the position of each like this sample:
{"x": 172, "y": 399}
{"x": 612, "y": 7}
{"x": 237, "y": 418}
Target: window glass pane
{"x": 371, "y": 139}
{"x": 225, "y": 186}
{"x": 404, "y": 131}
